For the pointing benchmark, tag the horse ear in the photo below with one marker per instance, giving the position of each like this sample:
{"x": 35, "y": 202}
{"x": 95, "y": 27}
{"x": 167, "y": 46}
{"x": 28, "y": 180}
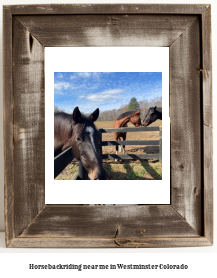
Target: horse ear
{"x": 155, "y": 108}
{"x": 76, "y": 115}
{"x": 94, "y": 116}
{"x": 137, "y": 112}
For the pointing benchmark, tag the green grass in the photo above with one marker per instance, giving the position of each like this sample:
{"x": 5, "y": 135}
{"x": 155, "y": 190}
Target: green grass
{"x": 133, "y": 170}
{"x": 121, "y": 170}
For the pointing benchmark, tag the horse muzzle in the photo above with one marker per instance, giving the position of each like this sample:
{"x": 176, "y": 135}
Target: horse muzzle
{"x": 98, "y": 175}
{"x": 145, "y": 123}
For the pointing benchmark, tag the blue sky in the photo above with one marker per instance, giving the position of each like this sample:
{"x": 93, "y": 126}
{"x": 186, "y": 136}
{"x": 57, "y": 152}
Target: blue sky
{"x": 103, "y": 90}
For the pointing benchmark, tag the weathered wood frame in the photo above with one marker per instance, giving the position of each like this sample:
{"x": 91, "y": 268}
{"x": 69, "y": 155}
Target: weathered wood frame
{"x": 186, "y": 29}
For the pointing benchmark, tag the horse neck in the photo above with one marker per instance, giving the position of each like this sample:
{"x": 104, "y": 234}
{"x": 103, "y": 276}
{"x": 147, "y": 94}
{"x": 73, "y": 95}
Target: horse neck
{"x": 124, "y": 121}
{"x": 159, "y": 115}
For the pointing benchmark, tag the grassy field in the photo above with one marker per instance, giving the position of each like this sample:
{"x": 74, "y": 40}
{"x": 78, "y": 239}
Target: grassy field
{"x": 124, "y": 169}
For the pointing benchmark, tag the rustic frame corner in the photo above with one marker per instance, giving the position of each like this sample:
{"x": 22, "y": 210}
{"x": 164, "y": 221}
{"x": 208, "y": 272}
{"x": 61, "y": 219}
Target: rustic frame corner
{"x": 186, "y": 30}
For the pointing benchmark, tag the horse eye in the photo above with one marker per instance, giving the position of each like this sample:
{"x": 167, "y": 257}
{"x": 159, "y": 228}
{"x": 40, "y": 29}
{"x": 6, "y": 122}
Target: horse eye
{"x": 78, "y": 139}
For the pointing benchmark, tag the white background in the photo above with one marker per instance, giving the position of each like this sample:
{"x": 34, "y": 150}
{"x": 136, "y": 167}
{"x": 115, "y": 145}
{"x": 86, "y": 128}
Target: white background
{"x": 139, "y": 59}
{"x": 201, "y": 260}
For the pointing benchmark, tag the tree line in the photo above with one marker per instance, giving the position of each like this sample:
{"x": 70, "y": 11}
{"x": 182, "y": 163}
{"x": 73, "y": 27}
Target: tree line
{"x": 143, "y": 106}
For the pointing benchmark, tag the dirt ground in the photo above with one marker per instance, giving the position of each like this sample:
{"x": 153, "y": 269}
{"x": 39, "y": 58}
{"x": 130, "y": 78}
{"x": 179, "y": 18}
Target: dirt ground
{"x": 149, "y": 135}
{"x": 125, "y": 169}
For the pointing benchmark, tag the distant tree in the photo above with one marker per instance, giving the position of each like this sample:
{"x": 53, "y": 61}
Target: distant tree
{"x": 123, "y": 109}
{"x": 133, "y": 105}
{"x": 56, "y": 109}
{"x": 143, "y": 106}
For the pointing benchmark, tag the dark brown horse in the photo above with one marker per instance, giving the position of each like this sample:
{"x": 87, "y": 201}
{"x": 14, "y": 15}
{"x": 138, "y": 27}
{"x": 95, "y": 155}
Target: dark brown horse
{"x": 79, "y": 132}
{"x": 153, "y": 114}
{"x": 121, "y": 121}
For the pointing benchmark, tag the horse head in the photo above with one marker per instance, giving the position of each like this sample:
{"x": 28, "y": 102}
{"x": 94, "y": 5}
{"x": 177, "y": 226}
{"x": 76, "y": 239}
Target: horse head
{"x": 151, "y": 116}
{"x": 86, "y": 144}
{"x": 135, "y": 119}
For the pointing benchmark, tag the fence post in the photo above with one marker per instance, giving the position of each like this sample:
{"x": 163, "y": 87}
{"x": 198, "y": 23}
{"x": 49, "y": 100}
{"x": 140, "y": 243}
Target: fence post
{"x": 160, "y": 145}
{"x": 100, "y": 143}
{"x": 83, "y": 175}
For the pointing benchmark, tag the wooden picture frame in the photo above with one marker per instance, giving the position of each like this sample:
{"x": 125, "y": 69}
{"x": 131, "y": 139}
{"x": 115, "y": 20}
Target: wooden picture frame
{"x": 186, "y": 30}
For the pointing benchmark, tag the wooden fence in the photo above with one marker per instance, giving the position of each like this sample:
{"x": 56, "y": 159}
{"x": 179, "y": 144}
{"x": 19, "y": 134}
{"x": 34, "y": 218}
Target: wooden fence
{"x": 63, "y": 159}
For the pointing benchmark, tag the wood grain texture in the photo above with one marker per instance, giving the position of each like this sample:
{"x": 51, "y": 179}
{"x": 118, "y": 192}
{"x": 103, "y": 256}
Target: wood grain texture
{"x": 163, "y": 242}
{"x": 185, "y": 118}
{"x": 29, "y": 141}
{"x": 109, "y": 222}
{"x": 8, "y": 125}
{"x": 186, "y": 30}
{"x": 107, "y": 30}
{"x": 207, "y": 118}
{"x": 208, "y": 183}
{"x": 106, "y": 9}
{"x": 207, "y": 123}
{"x": 207, "y": 67}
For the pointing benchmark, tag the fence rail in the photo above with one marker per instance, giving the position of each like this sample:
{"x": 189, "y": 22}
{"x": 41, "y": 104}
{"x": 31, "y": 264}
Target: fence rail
{"x": 129, "y": 129}
{"x": 130, "y": 156}
{"x": 63, "y": 159}
{"x": 132, "y": 142}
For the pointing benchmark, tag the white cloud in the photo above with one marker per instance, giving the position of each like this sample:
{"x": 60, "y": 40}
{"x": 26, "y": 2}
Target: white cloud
{"x": 76, "y": 75}
{"x": 73, "y": 76}
{"x": 112, "y": 92}
{"x": 81, "y": 74}
{"x": 84, "y": 74}
{"x": 59, "y": 93}
{"x": 62, "y": 86}
{"x": 59, "y": 75}
{"x": 87, "y": 75}
{"x": 105, "y": 96}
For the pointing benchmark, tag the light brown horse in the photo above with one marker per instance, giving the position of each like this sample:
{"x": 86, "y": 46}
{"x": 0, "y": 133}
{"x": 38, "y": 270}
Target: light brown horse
{"x": 121, "y": 121}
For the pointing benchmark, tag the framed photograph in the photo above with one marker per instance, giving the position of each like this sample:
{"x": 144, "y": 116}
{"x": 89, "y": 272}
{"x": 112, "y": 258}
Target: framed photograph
{"x": 66, "y": 57}
{"x": 144, "y": 76}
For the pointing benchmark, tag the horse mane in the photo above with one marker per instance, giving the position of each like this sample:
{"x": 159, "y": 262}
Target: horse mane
{"x": 126, "y": 114}
{"x": 65, "y": 119}
{"x": 158, "y": 109}
{"x": 62, "y": 121}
